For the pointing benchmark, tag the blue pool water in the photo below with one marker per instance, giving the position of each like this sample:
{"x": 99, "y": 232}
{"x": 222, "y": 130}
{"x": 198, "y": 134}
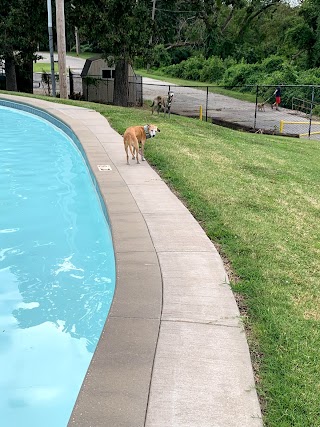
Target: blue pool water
{"x": 57, "y": 271}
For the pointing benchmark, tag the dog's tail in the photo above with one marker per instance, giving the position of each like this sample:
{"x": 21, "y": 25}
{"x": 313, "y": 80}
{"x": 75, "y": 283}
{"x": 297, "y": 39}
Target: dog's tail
{"x": 152, "y": 104}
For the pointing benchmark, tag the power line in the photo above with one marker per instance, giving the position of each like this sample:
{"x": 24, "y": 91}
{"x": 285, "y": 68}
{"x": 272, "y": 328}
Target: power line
{"x": 176, "y": 11}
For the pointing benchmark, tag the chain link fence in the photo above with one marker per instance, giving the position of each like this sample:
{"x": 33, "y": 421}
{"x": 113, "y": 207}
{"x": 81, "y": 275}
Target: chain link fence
{"x": 90, "y": 88}
{"x": 298, "y": 114}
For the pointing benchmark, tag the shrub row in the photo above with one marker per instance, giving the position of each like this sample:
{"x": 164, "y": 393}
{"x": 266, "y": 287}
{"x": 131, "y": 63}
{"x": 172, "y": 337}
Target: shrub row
{"x": 241, "y": 76}
{"x": 273, "y": 70}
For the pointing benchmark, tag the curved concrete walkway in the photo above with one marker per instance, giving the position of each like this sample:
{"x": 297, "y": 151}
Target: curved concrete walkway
{"x": 173, "y": 352}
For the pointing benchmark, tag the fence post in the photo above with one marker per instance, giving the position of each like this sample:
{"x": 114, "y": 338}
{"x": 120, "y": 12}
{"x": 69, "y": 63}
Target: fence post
{"x": 207, "y": 97}
{"x": 141, "y": 84}
{"x": 311, "y": 107}
{"x": 255, "y": 111}
{"x": 281, "y": 126}
{"x": 71, "y": 85}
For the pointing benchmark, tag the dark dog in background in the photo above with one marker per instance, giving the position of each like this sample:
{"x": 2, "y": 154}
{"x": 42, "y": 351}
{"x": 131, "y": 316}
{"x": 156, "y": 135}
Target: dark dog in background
{"x": 162, "y": 103}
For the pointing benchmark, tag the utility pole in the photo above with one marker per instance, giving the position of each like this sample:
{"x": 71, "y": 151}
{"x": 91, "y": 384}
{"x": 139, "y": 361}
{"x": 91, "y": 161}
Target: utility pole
{"x": 76, "y": 34}
{"x": 53, "y": 80}
{"x": 152, "y": 18}
{"x": 61, "y": 40}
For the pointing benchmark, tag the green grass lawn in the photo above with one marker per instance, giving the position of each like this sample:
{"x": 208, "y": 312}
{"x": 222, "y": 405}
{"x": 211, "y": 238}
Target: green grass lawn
{"x": 258, "y": 198}
{"x": 83, "y": 55}
{"x": 44, "y": 67}
{"x": 40, "y": 67}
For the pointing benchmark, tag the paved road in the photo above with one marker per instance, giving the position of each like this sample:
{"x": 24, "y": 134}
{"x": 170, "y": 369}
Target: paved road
{"x": 187, "y": 101}
{"x": 76, "y": 64}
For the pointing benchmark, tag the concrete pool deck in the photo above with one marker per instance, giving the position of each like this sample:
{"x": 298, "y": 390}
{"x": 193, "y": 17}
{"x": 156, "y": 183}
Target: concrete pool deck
{"x": 173, "y": 352}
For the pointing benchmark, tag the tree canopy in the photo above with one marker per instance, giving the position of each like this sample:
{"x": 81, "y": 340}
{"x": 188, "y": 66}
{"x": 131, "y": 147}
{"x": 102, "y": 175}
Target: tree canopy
{"x": 22, "y": 24}
{"x": 125, "y": 32}
{"x": 120, "y": 29}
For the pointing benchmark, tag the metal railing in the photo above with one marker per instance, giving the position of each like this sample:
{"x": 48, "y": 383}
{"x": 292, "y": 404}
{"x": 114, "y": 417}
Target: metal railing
{"x": 303, "y": 105}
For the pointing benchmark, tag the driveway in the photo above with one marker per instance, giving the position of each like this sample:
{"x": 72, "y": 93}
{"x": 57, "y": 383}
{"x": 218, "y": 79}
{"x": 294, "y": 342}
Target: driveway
{"x": 74, "y": 63}
{"x": 218, "y": 108}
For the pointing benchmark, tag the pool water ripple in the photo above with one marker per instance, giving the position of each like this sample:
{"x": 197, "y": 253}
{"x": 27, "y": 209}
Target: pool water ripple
{"x": 57, "y": 271}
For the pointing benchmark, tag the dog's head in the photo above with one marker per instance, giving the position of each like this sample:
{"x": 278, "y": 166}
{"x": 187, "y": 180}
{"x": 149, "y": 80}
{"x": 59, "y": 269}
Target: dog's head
{"x": 152, "y": 130}
{"x": 170, "y": 98}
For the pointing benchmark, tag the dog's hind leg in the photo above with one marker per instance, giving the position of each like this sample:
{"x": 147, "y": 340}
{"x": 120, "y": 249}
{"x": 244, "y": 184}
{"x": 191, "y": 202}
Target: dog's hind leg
{"x": 135, "y": 149}
{"x": 126, "y": 150}
{"x": 132, "y": 150}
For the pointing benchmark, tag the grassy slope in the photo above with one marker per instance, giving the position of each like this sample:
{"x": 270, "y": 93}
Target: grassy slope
{"x": 257, "y": 197}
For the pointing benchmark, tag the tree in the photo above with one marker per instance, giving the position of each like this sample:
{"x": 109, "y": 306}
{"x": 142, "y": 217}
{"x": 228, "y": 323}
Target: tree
{"x": 269, "y": 34}
{"x": 21, "y": 27}
{"x": 121, "y": 30}
{"x": 214, "y": 27}
{"x": 307, "y": 34}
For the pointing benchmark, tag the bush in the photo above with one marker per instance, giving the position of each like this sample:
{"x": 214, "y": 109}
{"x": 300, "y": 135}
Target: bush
{"x": 189, "y": 69}
{"x": 316, "y": 110}
{"x": 310, "y": 77}
{"x": 286, "y": 75}
{"x": 160, "y": 56}
{"x": 213, "y": 70}
{"x": 272, "y": 71}
{"x": 192, "y": 68}
{"x": 241, "y": 74}
{"x": 174, "y": 70}
{"x": 179, "y": 54}
{"x": 272, "y": 64}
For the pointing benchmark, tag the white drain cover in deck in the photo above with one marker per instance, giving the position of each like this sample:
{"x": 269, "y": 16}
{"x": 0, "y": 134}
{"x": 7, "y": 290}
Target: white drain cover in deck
{"x": 104, "y": 168}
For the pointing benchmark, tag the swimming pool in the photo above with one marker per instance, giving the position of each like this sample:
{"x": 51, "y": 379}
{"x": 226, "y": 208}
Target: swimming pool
{"x": 57, "y": 271}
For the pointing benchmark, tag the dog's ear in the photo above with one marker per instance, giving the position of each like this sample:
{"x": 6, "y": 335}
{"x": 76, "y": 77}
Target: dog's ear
{"x": 158, "y": 129}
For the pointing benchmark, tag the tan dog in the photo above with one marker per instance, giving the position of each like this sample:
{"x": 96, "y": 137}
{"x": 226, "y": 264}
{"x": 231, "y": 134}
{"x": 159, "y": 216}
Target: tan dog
{"x": 136, "y": 135}
{"x": 261, "y": 107}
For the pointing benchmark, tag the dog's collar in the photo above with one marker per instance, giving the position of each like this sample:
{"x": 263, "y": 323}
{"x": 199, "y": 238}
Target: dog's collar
{"x": 146, "y": 129}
